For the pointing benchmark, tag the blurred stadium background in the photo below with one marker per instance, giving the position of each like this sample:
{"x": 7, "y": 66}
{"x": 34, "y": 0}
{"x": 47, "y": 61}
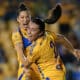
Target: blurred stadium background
{"x": 68, "y": 25}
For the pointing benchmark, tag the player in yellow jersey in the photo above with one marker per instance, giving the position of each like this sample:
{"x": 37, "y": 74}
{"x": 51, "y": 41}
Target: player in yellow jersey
{"x": 20, "y": 41}
{"x": 43, "y": 51}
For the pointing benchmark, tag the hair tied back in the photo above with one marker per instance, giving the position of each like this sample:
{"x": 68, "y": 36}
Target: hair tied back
{"x": 22, "y": 6}
{"x": 54, "y": 15}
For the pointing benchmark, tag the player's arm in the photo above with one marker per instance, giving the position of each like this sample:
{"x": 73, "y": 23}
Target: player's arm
{"x": 18, "y": 45}
{"x": 66, "y": 43}
{"x": 20, "y": 53}
{"x": 24, "y": 60}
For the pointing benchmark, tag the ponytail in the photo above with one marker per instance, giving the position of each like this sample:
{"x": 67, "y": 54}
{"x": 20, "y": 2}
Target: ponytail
{"x": 54, "y": 15}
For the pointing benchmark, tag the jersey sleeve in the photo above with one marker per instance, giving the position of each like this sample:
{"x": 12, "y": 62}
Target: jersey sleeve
{"x": 52, "y": 35}
{"x": 16, "y": 38}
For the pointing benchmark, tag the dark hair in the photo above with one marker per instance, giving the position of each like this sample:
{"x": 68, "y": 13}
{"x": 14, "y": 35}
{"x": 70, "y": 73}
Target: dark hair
{"x": 39, "y": 22}
{"x": 55, "y": 15}
{"x": 22, "y": 7}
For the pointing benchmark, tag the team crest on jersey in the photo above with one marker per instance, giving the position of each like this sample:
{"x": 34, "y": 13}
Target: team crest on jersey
{"x": 51, "y": 44}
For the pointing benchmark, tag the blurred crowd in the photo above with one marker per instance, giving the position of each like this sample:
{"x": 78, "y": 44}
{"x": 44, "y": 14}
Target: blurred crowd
{"x": 68, "y": 25}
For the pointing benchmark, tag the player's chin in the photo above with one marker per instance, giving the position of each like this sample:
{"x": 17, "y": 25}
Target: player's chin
{"x": 30, "y": 39}
{"x": 25, "y": 26}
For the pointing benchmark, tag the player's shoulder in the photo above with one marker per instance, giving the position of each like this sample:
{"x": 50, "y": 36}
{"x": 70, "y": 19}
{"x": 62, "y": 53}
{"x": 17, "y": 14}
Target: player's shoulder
{"x": 16, "y": 32}
{"x": 50, "y": 33}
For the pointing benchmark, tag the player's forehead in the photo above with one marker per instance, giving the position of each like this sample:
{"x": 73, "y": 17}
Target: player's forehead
{"x": 33, "y": 25}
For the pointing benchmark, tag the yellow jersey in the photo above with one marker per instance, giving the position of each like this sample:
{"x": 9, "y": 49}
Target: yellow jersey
{"x": 17, "y": 38}
{"x": 43, "y": 52}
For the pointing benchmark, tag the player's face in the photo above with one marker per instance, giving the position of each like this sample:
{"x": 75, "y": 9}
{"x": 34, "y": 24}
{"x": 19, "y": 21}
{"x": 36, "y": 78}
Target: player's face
{"x": 33, "y": 31}
{"x": 23, "y": 19}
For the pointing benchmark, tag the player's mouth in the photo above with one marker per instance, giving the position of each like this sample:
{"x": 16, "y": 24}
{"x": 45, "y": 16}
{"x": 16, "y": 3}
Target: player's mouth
{"x": 25, "y": 26}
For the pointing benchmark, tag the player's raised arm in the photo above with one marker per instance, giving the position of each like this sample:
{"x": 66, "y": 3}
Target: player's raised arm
{"x": 67, "y": 44}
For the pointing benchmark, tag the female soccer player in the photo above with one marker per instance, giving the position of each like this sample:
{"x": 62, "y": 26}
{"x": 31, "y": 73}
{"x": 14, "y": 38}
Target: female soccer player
{"x": 43, "y": 51}
{"x": 20, "y": 41}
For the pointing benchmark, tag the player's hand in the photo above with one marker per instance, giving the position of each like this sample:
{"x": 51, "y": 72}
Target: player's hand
{"x": 27, "y": 72}
{"x": 77, "y": 53}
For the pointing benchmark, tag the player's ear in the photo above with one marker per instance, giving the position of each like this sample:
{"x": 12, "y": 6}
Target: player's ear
{"x": 40, "y": 34}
